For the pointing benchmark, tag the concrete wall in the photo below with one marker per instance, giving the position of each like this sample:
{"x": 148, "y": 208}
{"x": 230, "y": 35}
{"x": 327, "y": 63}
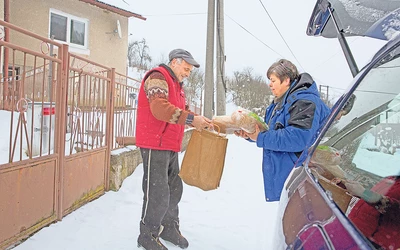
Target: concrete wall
{"x": 105, "y": 49}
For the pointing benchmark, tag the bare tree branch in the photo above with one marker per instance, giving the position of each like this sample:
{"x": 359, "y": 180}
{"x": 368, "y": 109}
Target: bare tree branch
{"x": 138, "y": 54}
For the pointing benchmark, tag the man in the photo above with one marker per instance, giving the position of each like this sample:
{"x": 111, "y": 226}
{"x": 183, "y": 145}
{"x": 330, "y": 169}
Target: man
{"x": 161, "y": 119}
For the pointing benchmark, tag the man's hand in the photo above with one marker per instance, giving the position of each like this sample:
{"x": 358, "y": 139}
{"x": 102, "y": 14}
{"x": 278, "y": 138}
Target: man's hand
{"x": 354, "y": 188}
{"x": 201, "y": 122}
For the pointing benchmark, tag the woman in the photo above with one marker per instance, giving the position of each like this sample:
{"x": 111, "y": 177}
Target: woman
{"x": 293, "y": 118}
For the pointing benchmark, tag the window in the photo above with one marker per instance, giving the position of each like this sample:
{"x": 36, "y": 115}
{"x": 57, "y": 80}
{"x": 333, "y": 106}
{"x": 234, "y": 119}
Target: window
{"x": 13, "y": 72}
{"x": 368, "y": 138}
{"x": 365, "y": 144}
{"x": 69, "y": 29}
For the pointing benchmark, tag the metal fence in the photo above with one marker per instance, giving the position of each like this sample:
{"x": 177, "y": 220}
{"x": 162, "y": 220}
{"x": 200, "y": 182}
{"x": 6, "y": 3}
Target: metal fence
{"x": 60, "y": 115}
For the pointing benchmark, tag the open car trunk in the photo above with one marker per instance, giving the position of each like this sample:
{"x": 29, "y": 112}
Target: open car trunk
{"x": 372, "y": 18}
{"x": 378, "y": 19}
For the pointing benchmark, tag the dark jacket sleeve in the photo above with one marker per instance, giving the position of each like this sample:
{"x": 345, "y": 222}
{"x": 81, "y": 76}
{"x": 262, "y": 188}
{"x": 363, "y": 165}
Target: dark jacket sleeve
{"x": 302, "y": 114}
{"x": 295, "y": 135}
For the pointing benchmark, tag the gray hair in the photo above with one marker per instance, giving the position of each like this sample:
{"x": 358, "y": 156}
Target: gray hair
{"x": 178, "y": 60}
{"x": 283, "y": 69}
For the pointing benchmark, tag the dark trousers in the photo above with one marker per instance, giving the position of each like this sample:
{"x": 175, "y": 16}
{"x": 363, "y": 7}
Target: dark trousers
{"x": 162, "y": 188}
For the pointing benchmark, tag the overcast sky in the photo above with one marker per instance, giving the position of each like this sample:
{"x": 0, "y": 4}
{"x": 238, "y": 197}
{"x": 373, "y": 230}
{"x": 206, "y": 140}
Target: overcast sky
{"x": 251, "y": 40}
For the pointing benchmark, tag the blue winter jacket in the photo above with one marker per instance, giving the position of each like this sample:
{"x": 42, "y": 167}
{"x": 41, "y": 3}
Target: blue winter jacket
{"x": 292, "y": 123}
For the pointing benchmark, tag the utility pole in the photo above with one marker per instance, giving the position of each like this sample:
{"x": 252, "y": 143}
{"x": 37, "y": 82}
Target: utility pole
{"x": 221, "y": 84}
{"x": 324, "y": 91}
{"x": 209, "y": 79}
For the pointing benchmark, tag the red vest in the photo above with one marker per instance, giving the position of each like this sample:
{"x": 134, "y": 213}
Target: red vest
{"x": 155, "y": 134}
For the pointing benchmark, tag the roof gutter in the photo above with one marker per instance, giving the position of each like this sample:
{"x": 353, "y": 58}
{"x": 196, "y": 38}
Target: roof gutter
{"x": 113, "y": 9}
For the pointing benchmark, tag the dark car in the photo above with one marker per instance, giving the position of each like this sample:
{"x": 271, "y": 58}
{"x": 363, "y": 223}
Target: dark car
{"x": 358, "y": 147}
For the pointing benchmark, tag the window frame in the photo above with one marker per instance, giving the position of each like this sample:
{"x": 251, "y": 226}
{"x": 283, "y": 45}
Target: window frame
{"x": 83, "y": 49}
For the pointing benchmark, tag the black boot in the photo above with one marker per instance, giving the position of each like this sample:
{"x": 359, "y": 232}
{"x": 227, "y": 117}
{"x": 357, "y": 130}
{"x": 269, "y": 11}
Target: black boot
{"x": 172, "y": 234}
{"x": 149, "y": 239}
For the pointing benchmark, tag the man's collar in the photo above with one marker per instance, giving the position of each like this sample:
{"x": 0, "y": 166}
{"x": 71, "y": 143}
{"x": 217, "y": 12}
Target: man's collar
{"x": 170, "y": 72}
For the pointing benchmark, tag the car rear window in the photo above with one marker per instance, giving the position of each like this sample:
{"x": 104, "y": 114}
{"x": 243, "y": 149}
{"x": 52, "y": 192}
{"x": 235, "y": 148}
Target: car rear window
{"x": 362, "y": 149}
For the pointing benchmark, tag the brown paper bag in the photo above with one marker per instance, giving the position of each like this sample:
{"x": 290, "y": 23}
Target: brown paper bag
{"x": 204, "y": 160}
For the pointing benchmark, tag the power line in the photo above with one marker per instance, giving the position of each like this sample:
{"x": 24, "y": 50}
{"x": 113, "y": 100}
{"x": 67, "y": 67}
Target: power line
{"x": 335, "y": 89}
{"x": 241, "y": 26}
{"x": 201, "y": 13}
{"x": 253, "y": 35}
{"x": 281, "y": 35}
{"x": 333, "y": 55}
{"x": 177, "y": 14}
{"x": 363, "y": 91}
{"x": 320, "y": 82}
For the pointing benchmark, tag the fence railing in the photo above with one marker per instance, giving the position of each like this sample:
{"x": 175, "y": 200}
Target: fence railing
{"x": 60, "y": 115}
{"x": 125, "y": 106}
{"x": 31, "y": 81}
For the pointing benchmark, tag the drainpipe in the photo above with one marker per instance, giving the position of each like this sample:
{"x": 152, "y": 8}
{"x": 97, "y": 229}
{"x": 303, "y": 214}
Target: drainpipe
{"x": 6, "y": 53}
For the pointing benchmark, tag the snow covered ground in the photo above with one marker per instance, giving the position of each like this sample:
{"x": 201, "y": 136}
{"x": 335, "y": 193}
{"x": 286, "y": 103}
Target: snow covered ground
{"x": 234, "y": 216}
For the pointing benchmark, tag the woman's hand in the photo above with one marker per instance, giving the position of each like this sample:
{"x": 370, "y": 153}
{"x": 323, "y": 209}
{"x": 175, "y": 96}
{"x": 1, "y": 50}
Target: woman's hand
{"x": 253, "y": 136}
{"x": 241, "y": 133}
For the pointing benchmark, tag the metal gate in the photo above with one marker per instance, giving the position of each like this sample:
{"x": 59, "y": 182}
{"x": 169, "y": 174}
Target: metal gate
{"x": 58, "y": 155}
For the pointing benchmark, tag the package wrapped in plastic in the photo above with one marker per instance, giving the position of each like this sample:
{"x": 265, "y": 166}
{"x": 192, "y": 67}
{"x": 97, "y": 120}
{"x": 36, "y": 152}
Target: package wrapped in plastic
{"x": 225, "y": 123}
{"x": 328, "y": 160}
{"x": 241, "y": 119}
{"x": 247, "y": 121}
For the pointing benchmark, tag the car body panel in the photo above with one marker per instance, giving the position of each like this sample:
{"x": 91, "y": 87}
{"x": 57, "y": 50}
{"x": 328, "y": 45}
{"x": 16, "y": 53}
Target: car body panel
{"x": 372, "y": 18}
{"x": 315, "y": 211}
{"x": 308, "y": 221}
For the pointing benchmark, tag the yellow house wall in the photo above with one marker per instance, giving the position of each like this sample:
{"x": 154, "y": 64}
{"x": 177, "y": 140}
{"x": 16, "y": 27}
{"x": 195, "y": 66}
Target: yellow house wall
{"x": 105, "y": 49}
{"x": 2, "y": 18}
{"x": 2, "y": 9}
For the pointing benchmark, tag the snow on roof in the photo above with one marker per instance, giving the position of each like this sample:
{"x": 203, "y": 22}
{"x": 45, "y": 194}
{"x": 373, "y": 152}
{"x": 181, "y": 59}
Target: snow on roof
{"x": 120, "y": 7}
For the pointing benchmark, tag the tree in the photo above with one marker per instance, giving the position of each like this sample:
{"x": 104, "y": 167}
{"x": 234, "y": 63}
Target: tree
{"x": 162, "y": 59}
{"x": 194, "y": 87}
{"x": 249, "y": 91}
{"x": 138, "y": 54}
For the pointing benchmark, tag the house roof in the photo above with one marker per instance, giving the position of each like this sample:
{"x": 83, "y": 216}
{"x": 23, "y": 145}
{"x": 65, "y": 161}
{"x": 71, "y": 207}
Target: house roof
{"x": 114, "y": 9}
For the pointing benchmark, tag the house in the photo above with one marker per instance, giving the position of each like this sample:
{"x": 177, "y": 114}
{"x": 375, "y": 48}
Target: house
{"x": 93, "y": 29}
{"x": 52, "y": 93}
